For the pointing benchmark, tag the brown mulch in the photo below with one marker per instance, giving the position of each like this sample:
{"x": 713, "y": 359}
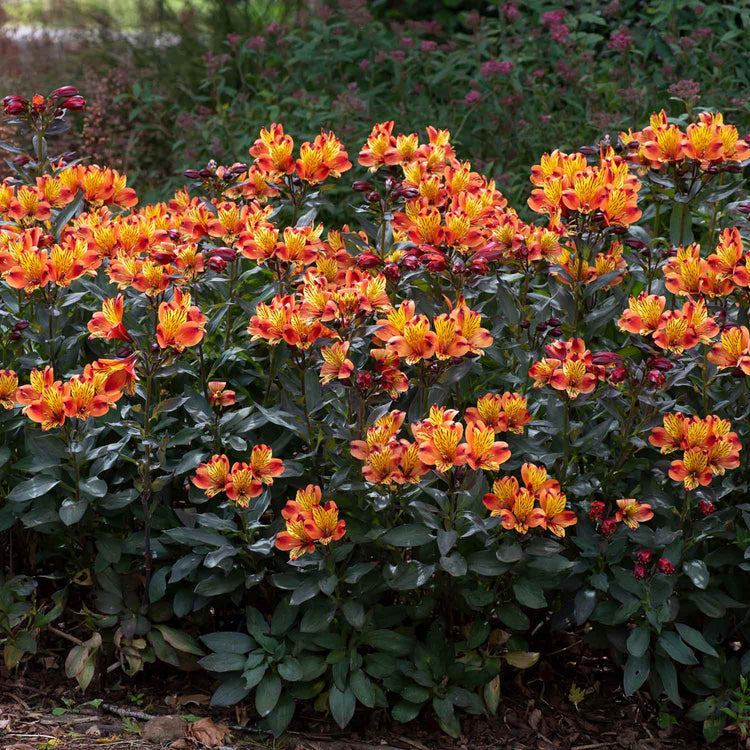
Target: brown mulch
{"x": 535, "y": 713}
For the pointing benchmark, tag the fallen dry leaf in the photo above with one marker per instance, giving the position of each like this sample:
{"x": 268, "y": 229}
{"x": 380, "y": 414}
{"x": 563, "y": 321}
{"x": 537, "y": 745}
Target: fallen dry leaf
{"x": 207, "y": 732}
{"x": 181, "y": 745}
{"x": 535, "y": 718}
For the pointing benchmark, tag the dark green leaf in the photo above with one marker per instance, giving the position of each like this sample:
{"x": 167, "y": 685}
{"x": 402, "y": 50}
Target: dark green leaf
{"x": 267, "y": 694}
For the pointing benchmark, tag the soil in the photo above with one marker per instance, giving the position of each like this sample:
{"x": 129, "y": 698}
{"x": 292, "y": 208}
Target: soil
{"x": 41, "y": 710}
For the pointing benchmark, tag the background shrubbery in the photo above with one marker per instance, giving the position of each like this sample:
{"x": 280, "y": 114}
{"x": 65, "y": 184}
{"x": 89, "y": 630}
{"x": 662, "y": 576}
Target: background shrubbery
{"x": 422, "y": 598}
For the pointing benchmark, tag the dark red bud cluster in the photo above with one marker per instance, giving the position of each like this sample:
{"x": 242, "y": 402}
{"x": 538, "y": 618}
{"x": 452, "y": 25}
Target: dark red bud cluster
{"x": 660, "y": 363}
{"x": 368, "y": 260}
{"x": 656, "y": 378}
{"x": 14, "y": 105}
{"x": 665, "y": 566}
{"x": 643, "y": 556}
{"x": 706, "y": 507}
{"x": 639, "y": 571}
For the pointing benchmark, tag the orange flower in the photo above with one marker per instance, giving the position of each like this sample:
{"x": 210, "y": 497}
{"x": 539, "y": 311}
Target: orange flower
{"x": 108, "y": 322}
{"x": 326, "y": 524}
{"x": 468, "y": 325}
{"x": 669, "y": 438}
{"x": 218, "y": 394}
{"x": 441, "y": 449}
{"x": 8, "y": 388}
{"x": 325, "y": 156}
{"x": 242, "y": 485}
{"x": 180, "y": 323}
{"x": 522, "y": 515}
{"x": 273, "y": 151}
{"x": 49, "y": 409}
{"x": 482, "y": 450}
{"x": 335, "y": 365}
{"x": 416, "y": 343}
{"x": 380, "y": 147}
{"x": 556, "y": 518}
{"x": 448, "y": 342}
{"x": 212, "y": 476}
{"x": 81, "y": 398}
{"x": 733, "y": 350}
{"x": 264, "y": 466}
{"x": 117, "y": 374}
{"x": 633, "y": 513}
{"x": 643, "y": 314}
{"x": 304, "y": 501}
{"x": 502, "y": 497}
{"x": 298, "y": 538}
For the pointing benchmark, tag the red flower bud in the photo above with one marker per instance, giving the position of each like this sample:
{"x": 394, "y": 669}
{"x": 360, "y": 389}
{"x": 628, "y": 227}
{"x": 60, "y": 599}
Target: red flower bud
{"x": 609, "y": 526}
{"x": 479, "y": 267}
{"x": 643, "y": 556}
{"x": 239, "y": 168}
{"x": 596, "y": 510}
{"x": 554, "y": 322}
{"x": 217, "y": 264}
{"x": 606, "y": 358}
{"x": 392, "y": 271}
{"x": 617, "y": 375}
{"x": 21, "y": 325}
{"x": 74, "y": 103}
{"x": 14, "y": 335}
{"x": 706, "y": 507}
{"x": 556, "y": 331}
{"x": 364, "y": 381}
{"x": 656, "y": 378}
{"x": 204, "y": 173}
{"x": 409, "y": 192}
{"x": 661, "y": 363}
{"x": 617, "y": 229}
{"x": 15, "y": 108}
{"x": 362, "y": 186}
{"x": 373, "y": 197}
{"x": 588, "y": 150}
{"x": 124, "y": 351}
{"x": 162, "y": 257}
{"x": 635, "y": 243}
{"x": 13, "y": 98}
{"x": 457, "y": 267}
{"x": 639, "y": 571}
{"x": 368, "y": 260}
{"x": 665, "y": 566}
{"x": 225, "y": 253}
{"x": 411, "y": 262}
{"x": 732, "y": 168}
{"x": 437, "y": 265}
{"x": 21, "y": 161}
{"x": 191, "y": 174}
{"x": 64, "y": 92}
{"x": 525, "y": 324}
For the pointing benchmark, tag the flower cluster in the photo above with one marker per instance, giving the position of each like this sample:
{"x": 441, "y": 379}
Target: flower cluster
{"x": 568, "y": 367}
{"x": 244, "y": 481}
{"x": 90, "y": 394}
{"x": 538, "y": 503}
{"x": 708, "y": 446}
{"x": 309, "y": 521}
{"x": 708, "y": 142}
{"x": 671, "y": 330}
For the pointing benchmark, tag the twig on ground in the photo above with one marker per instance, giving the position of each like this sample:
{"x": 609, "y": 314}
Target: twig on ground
{"x": 67, "y": 636}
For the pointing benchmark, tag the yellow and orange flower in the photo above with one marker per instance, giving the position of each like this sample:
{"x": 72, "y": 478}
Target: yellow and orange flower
{"x": 212, "y": 476}
{"x": 108, "y": 323}
{"x": 180, "y": 323}
{"x": 336, "y": 365}
{"x": 8, "y": 388}
{"x": 219, "y": 394}
{"x": 632, "y": 513}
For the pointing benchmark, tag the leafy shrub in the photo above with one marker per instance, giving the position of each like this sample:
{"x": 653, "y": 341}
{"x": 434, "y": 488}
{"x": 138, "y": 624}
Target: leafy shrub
{"x": 452, "y": 420}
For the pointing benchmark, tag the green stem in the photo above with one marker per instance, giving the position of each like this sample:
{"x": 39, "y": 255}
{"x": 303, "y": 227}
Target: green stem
{"x": 705, "y": 381}
{"x": 230, "y": 312}
{"x": 566, "y": 446}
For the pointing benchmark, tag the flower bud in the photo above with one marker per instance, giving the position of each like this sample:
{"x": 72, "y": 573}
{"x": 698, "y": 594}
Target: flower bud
{"x": 706, "y": 507}
{"x": 14, "y": 336}
{"x": 373, "y": 197}
{"x": 13, "y": 98}
{"x": 434, "y": 368}
{"x": 606, "y": 358}
{"x": 239, "y": 168}
{"x": 64, "y": 92}
{"x": 744, "y": 208}
{"x": 479, "y": 267}
{"x": 21, "y": 161}
{"x": 192, "y": 174}
{"x": 364, "y": 381}
{"x": 525, "y": 324}
{"x": 438, "y": 265}
{"x": 732, "y": 168}
{"x": 368, "y": 260}
{"x": 154, "y": 348}
{"x": 552, "y": 322}
{"x": 618, "y": 229}
{"x": 74, "y": 103}
{"x": 556, "y": 331}
{"x": 665, "y": 566}
{"x": 173, "y": 234}
{"x": 457, "y": 267}
{"x": 635, "y": 243}
{"x": 162, "y": 257}
{"x": 410, "y": 262}
{"x": 661, "y": 363}
{"x": 656, "y": 378}
{"x": 21, "y": 325}
{"x": 542, "y": 326}
{"x": 409, "y": 192}
{"x": 204, "y": 173}
{"x": 596, "y": 510}
{"x": 588, "y": 150}
{"x": 639, "y": 571}
{"x": 362, "y": 186}
{"x": 617, "y": 375}
{"x": 643, "y": 556}
{"x": 217, "y": 264}
{"x": 609, "y": 526}
{"x": 713, "y": 169}
{"x": 392, "y": 271}
{"x": 15, "y": 107}
{"x": 124, "y": 351}
{"x": 227, "y": 254}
